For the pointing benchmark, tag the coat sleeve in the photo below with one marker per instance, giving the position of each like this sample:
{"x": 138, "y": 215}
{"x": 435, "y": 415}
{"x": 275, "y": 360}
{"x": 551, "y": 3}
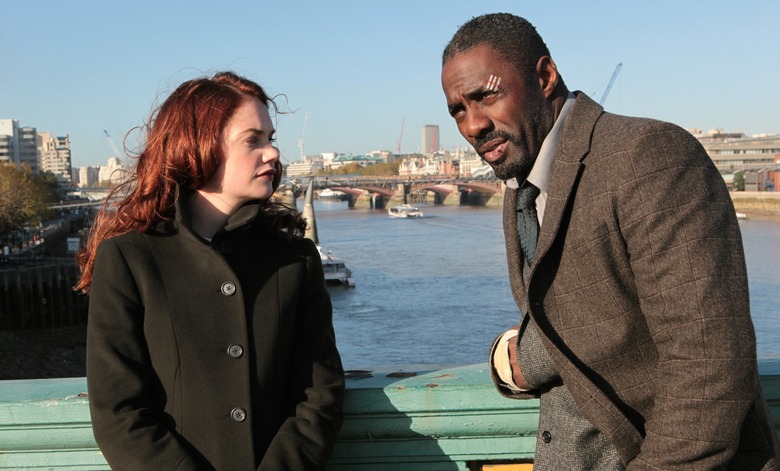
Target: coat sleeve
{"x": 686, "y": 255}
{"x": 306, "y": 440}
{"x": 120, "y": 380}
{"x": 534, "y": 361}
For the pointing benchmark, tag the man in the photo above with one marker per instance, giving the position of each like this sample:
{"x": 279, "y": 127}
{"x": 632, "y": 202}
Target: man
{"x": 636, "y": 331}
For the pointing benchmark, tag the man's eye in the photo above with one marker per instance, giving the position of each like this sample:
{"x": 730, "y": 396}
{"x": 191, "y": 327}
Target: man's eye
{"x": 486, "y": 95}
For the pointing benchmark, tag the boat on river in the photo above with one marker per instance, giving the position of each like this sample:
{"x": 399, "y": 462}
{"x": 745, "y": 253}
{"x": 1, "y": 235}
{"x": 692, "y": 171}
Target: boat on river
{"x": 335, "y": 269}
{"x": 332, "y": 195}
{"x": 404, "y": 211}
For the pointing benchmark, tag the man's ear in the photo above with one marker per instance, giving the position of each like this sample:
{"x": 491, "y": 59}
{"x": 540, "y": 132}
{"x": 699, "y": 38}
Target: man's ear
{"x": 547, "y": 72}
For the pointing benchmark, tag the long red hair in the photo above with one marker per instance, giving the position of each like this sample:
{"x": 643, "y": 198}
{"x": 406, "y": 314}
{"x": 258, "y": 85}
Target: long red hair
{"x": 183, "y": 150}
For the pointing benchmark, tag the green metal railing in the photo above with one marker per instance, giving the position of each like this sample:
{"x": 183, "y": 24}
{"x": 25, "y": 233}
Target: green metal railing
{"x": 413, "y": 419}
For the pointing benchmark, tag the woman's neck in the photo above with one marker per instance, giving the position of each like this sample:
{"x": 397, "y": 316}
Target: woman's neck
{"x": 208, "y": 215}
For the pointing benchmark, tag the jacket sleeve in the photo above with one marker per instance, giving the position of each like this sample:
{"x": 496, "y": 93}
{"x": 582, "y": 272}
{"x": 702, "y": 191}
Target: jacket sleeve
{"x": 129, "y": 430}
{"x": 306, "y": 440}
{"x": 686, "y": 255}
{"x": 534, "y": 361}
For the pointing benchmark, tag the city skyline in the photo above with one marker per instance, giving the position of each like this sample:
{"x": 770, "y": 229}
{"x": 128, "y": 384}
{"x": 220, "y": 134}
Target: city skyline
{"x": 355, "y": 73}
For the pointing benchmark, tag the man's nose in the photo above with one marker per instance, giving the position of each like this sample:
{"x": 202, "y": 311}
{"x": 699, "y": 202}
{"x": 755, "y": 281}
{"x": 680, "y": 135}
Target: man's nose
{"x": 477, "y": 123}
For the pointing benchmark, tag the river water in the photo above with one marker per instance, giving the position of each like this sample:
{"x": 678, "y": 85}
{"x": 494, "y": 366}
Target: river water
{"x": 435, "y": 290}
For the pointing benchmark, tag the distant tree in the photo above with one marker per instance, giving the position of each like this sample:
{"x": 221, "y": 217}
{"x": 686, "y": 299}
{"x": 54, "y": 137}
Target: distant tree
{"x": 21, "y": 199}
{"x": 382, "y": 170}
{"x": 376, "y": 170}
{"x": 739, "y": 181}
{"x": 50, "y": 189}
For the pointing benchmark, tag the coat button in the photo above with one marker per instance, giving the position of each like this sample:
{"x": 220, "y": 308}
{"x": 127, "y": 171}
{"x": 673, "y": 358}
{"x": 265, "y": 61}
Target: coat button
{"x": 546, "y": 437}
{"x": 238, "y": 414}
{"x": 228, "y": 288}
{"x": 235, "y": 351}
{"x": 226, "y": 247}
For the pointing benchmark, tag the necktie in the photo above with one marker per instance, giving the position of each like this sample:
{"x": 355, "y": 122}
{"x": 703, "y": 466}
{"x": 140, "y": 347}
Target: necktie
{"x": 527, "y": 222}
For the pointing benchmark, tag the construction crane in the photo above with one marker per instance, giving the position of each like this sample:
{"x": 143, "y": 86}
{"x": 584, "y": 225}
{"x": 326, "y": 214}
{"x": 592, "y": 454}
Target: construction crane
{"x": 113, "y": 145}
{"x": 300, "y": 139}
{"x": 611, "y": 81}
{"x": 400, "y": 138}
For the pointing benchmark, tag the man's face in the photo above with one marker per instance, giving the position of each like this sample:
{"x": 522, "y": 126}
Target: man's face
{"x": 499, "y": 112}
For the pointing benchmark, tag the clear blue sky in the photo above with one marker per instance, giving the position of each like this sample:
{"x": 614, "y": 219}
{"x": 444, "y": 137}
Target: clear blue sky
{"x": 359, "y": 68}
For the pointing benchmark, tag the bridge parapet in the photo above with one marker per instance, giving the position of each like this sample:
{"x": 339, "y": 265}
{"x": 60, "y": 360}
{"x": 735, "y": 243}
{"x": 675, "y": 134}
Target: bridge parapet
{"x": 410, "y": 419}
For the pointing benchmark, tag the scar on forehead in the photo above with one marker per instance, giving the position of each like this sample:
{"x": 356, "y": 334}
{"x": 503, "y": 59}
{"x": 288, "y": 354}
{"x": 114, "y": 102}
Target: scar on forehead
{"x": 493, "y": 82}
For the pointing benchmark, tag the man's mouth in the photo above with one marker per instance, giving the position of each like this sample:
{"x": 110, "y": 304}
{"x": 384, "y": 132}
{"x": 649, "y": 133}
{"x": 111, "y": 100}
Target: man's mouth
{"x": 493, "y": 150}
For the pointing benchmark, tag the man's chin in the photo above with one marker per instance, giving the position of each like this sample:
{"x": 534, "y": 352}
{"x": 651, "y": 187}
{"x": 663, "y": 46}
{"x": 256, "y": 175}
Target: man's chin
{"x": 503, "y": 172}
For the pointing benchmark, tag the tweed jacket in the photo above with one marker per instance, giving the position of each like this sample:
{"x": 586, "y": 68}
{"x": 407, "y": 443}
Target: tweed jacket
{"x": 639, "y": 294}
{"x": 216, "y": 355}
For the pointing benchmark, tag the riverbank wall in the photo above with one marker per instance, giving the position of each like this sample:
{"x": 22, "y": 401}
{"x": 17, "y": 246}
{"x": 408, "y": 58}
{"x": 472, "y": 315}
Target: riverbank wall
{"x": 38, "y": 293}
{"x": 757, "y": 204}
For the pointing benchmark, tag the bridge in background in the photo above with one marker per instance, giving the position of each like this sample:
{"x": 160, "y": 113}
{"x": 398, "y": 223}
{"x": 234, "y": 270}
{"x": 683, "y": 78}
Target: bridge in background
{"x": 364, "y": 192}
{"x": 382, "y": 192}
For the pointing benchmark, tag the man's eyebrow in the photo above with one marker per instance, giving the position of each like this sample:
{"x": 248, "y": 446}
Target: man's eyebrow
{"x": 478, "y": 92}
{"x": 474, "y": 94}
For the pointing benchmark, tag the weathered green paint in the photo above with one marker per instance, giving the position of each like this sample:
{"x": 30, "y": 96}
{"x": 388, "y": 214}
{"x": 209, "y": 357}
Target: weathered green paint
{"x": 439, "y": 419}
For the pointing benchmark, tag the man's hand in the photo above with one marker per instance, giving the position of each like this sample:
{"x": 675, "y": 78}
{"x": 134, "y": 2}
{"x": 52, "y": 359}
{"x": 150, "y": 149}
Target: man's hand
{"x": 517, "y": 375}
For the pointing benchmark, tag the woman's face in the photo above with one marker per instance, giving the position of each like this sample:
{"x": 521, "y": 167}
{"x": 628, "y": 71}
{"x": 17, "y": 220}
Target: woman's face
{"x": 248, "y": 168}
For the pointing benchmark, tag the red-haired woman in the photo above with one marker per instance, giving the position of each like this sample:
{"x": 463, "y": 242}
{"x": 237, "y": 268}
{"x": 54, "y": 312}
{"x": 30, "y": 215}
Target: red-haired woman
{"x": 210, "y": 342}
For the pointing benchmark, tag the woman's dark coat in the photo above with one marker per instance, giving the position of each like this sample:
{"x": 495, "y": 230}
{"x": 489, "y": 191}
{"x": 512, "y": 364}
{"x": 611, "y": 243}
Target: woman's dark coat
{"x": 213, "y": 355}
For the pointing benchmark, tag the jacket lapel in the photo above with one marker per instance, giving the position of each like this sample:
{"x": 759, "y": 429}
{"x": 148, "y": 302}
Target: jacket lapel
{"x": 513, "y": 255}
{"x": 572, "y": 148}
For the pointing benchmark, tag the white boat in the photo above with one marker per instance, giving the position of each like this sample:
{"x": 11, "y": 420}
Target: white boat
{"x": 405, "y": 211}
{"x": 331, "y": 195}
{"x": 335, "y": 269}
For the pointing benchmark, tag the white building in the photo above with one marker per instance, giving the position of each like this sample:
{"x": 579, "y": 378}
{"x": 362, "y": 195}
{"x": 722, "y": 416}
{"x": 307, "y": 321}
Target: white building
{"x": 9, "y": 141}
{"x": 55, "y": 156}
{"x": 310, "y": 165}
{"x": 111, "y": 174}
{"x": 28, "y": 148}
{"x": 88, "y": 176}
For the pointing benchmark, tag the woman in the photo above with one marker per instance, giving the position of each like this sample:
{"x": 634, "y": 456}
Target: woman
{"x": 210, "y": 343}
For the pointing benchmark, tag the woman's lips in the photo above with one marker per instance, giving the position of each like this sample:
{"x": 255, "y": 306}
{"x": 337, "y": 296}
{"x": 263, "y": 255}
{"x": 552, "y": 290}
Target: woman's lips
{"x": 268, "y": 173}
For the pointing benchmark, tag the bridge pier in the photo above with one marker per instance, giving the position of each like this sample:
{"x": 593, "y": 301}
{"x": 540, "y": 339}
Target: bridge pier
{"x": 368, "y": 200}
{"x": 476, "y": 198}
{"x": 452, "y": 199}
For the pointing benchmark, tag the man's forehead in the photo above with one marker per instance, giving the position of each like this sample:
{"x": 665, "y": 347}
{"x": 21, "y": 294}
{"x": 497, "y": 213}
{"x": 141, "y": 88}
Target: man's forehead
{"x": 472, "y": 69}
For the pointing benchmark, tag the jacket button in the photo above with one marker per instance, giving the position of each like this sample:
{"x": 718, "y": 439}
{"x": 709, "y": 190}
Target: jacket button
{"x": 546, "y": 437}
{"x": 235, "y": 351}
{"x": 228, "y": 288}
{"x": 238, "y": 414}
{"x": 226, "y": 247}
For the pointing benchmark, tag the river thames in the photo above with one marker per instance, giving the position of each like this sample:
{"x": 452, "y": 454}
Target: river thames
{"x": 435, "y": 290}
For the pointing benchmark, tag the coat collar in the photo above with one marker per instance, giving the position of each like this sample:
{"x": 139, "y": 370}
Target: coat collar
{"x": 243, "y": 217}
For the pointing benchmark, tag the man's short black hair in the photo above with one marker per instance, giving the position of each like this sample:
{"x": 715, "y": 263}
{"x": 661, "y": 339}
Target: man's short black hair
{"x": 513, "y": 37}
